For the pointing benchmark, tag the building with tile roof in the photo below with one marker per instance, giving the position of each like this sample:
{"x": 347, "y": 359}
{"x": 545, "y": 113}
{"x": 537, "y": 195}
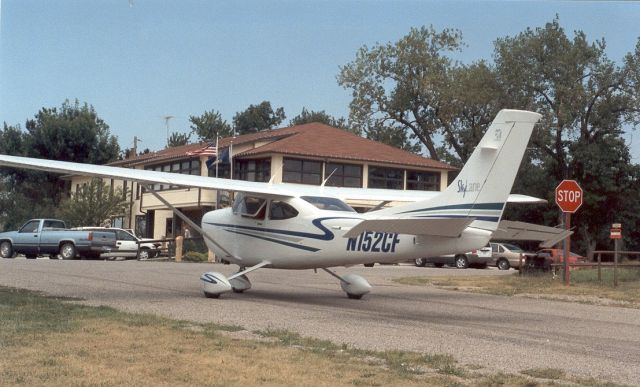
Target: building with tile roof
{"x": 303, "y": 154}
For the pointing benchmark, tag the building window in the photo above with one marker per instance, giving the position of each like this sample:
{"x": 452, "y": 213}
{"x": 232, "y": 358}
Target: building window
{"x": 223, "y": 170}
{"x": 423, "y": 181}
{"x": 302, "y": 171}
{"x": 185, "y": 167}
{"x": 343, "y": 175}
{"x": 253, "y": 170}
{"x": 390, "y": 178}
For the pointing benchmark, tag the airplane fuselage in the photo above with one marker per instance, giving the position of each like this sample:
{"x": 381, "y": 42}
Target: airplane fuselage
{"x": 315, "y": 239}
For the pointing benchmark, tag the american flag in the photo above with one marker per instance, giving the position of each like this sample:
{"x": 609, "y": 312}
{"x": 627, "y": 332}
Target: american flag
{"x": 209, "y": 150}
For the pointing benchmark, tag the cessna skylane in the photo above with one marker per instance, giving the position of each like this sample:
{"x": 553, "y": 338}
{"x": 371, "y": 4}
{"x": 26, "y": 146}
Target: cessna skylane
{"x": 290, "y": 226}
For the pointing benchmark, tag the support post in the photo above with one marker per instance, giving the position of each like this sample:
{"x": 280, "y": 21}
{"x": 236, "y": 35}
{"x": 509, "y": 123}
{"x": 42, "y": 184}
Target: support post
{"x": 567, "y": 249}
{"x": 179, "y": 244}
{"x": 616, "y": 248}
{"x": 600, "y": 267}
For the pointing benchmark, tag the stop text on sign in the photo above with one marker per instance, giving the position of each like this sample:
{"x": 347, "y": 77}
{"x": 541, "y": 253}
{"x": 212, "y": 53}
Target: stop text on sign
{"x": 569, "y": 196}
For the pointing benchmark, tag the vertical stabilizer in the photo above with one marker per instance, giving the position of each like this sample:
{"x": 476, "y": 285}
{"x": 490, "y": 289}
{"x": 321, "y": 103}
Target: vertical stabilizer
{"x": 482, "y": 187}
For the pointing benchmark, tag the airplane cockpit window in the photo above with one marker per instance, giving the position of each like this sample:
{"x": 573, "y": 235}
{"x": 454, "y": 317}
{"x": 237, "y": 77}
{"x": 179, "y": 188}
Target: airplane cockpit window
{"x": 281, "y": 210}
{"x": 250, "y": 206}
{"x": 327, "y": 203}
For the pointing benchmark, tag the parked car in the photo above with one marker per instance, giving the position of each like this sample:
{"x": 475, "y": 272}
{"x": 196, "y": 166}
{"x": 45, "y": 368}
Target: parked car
{"x": 127, "y": 243}
{"x": 557, "y": 255}
{"x": 507, "y": 255}
{"x": 41, "y": 237}
{"x": 477, "y": 258}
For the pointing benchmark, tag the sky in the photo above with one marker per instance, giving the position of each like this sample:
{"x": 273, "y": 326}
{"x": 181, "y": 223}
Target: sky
{"x": 139, "y": 61}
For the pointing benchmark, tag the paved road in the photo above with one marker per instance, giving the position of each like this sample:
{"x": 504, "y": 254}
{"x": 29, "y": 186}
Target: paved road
{"x": 498, "y": 333}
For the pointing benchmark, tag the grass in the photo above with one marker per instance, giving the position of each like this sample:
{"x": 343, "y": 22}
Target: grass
{"x": 585, "y": 286}
{"x": 52, "y": 341}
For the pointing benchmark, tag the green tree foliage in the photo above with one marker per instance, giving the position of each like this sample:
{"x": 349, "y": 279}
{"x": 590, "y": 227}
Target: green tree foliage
{"x": 257, "y": 118}
{"x": 309, "y": 116}
{"x": 178, "y": 139}
{"x": 92, "y": 205}
{"x": 73, "y": 132}
{"x": 399, "y": 84}
{"x": 210, "y": 126}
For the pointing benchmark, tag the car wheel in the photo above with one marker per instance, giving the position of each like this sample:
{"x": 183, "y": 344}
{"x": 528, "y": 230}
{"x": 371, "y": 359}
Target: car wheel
{"x": 462, "y": 262}
{"x": 438, "y": 264}
{"x": 143, "y": 253}
{"x": 503, "y": 264}
{"x": 420, "y": 262}
{"x": 67, "y": 251}
{"x": 6, "y": 250}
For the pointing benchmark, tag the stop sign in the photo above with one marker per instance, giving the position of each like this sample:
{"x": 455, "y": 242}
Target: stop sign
{"x": 569, "y": 196}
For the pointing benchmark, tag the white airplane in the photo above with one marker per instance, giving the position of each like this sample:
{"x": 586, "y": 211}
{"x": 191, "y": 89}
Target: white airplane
{"x": 290, "y": 226}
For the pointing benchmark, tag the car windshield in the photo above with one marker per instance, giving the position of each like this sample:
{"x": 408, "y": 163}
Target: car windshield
{"x": 512, "y": 247}
{"x": 327, "y": 203}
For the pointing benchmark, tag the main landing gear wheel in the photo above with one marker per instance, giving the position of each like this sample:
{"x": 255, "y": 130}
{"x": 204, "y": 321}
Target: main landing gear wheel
{"x": 352, "y": 284}
{"x": 240, "y": 284}
{"x": 420, "y": 262}
{"x": 214, "y": 284}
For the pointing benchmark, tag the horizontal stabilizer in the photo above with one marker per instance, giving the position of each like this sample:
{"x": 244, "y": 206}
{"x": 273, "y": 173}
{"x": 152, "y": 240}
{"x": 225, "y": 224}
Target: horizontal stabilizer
{"x": 521, "y": 231}
{"x": 446, "y": 227}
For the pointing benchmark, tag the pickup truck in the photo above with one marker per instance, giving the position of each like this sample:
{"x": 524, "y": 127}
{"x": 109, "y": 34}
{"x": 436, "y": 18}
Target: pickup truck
{"x": 51, "y": 237}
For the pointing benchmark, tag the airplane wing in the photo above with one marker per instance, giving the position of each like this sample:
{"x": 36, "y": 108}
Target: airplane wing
{"x": 278, "y": 189}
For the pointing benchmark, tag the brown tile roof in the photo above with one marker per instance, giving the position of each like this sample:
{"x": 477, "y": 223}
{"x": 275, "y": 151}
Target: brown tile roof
{"x": 308, "y": 140}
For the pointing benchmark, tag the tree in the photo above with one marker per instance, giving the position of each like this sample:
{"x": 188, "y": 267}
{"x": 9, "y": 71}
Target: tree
{"x": 92, "y": 205}
{"x": 257, "y": 118}
{"x": 399, "y": 85}
{"x": 586, "y": 100}
{"x": 72, "y": 133}
{"x": 178, "y": 139}
{"x": 309, "y": 116}
{"x": 210, "y": 126}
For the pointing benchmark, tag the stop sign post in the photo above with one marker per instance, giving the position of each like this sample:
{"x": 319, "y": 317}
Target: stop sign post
{"x": 569, "y": 198}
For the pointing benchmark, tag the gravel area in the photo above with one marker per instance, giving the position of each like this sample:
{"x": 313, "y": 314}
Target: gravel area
{"x": 499, "y": 333}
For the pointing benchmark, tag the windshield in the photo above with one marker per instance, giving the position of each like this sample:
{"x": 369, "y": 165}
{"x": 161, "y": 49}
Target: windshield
{"x": 327, "y": 203}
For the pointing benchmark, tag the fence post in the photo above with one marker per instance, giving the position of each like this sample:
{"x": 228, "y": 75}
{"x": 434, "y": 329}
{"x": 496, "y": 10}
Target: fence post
{"x": 615, "y": 262}
{"x": 179, "y": 243}
{"x": 599, "y": 267}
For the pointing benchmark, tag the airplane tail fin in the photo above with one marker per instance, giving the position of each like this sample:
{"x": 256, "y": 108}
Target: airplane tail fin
{"x": 481, "y": 189}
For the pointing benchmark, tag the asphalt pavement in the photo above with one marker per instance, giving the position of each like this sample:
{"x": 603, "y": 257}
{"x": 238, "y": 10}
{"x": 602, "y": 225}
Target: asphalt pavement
{"x": 499, "y": 333}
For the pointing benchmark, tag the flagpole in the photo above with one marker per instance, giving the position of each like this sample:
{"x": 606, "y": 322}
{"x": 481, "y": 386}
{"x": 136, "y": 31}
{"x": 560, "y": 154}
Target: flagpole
{"x": 217, "y": 155}
{"x": 231, "y": 152}
{"x": 231, "y": 158}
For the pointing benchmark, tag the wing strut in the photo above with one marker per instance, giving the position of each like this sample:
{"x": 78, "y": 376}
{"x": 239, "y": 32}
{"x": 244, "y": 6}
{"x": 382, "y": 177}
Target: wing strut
{"x": 189, "y": 221}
